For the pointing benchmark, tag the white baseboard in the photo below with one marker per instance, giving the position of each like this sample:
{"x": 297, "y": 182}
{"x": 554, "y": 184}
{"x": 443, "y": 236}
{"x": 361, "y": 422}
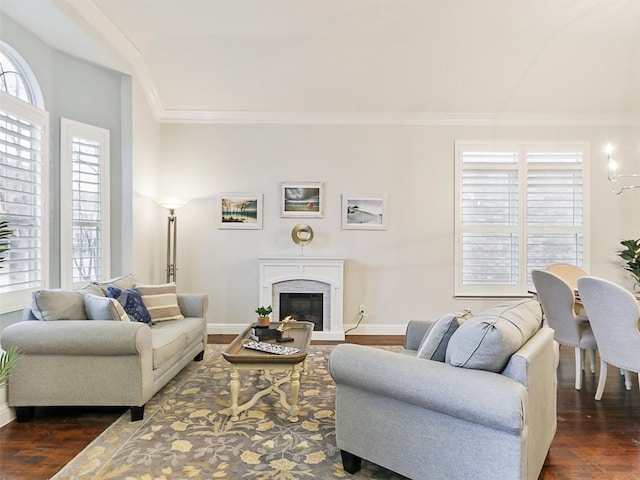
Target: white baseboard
{"x": 235, "y": 328}
{"x": 7, "y": 413}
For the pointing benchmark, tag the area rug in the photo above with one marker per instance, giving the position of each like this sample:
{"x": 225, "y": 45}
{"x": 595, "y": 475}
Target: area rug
{"x": 187, "y": 434}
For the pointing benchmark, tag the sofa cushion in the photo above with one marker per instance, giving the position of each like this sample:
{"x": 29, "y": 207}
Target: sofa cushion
{"x": 58, "y": 304}
{"x": 104, "y": 308}
{"x": 435, "y": 340}
{"x": 166, "y": 343}
{"x": 161, "y": 301}
{"x": 487, "y": 340}
{"x": 132, "y": 303}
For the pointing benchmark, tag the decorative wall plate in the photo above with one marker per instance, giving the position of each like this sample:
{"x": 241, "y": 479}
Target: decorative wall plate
{"x": 302, "y": 234}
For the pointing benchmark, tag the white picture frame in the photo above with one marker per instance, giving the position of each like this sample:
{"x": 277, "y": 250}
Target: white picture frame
{"x": 302, "y": 199}
{"x": 239, "y": 211}
{"x": 365, "y": 212}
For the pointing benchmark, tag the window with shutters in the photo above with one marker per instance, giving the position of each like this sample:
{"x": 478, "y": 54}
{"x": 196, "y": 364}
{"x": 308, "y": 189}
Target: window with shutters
{"x": 519, "y": 207}
{"x": 23, "y": 182}
{"x": 84, "y": 203}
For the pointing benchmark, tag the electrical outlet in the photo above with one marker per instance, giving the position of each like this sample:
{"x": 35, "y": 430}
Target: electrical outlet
{"x": 363, "y": 309}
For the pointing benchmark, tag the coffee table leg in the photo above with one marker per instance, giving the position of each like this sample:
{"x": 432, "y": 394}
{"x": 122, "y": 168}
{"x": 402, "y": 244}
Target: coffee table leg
{"x": 295, "y": 388}
{"x": 234, "y": 387}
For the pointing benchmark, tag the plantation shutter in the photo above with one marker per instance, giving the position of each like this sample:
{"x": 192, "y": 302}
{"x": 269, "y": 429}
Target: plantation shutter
{"x": 554, "y": 209}
{"x": 23, "y": 149}
{"x": 490, "y": 204}
{"x": 518, "y": 208}
{"x": 85, "y": 174}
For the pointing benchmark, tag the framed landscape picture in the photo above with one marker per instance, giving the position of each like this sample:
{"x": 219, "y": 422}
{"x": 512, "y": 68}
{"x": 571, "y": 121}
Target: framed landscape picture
{"x": 362, "y": 212}
{"x": 302, "y": 199}
{"x": 240, "y": 211}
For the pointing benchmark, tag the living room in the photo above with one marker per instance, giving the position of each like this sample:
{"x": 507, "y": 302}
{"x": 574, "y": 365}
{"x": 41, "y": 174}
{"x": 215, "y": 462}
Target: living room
{"x": 366, "y": 98}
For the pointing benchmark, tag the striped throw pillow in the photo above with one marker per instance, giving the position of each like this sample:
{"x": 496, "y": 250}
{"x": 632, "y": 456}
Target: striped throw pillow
{"x": 161, "y": 301}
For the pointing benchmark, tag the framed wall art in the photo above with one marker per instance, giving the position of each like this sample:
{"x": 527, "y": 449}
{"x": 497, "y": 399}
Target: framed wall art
{"x": 240, "y": 211}
{"x": 302, "y": 199}
{"x": 364, "y": 212}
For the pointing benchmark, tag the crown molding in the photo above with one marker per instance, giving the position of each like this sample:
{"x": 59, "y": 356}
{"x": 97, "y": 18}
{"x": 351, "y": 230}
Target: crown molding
{"x": 221, "y": 117}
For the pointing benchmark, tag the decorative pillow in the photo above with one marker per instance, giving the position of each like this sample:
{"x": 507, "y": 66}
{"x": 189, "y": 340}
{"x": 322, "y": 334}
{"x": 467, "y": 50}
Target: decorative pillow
{"x": 161, "y": 301}
{"x": 104, "y": 308}
{"x": 124, "y": 282}
{"x": 487, "y": 340}
{"x": 435, "y": 340}
{"x": 58, "y": 304}
{"x": 132, "y": 303}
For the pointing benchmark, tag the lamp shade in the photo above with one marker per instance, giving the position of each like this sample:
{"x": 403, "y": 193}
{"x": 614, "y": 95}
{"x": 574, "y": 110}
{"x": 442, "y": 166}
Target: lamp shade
{"x": 172, "y": 203}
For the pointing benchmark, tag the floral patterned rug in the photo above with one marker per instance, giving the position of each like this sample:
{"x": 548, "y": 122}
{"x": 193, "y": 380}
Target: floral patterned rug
{"x": 186, "y": 433}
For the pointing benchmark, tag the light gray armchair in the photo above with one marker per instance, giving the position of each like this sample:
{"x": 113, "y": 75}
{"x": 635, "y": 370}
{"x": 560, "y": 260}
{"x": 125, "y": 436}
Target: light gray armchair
{"x": 428, "y": 419}
{"x": 613, "y": 313}
{"x": 558, "y": 303}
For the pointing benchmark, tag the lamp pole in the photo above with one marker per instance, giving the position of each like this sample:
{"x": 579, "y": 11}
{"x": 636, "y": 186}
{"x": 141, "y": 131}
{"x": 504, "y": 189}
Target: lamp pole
{"x": 172, "y": 244}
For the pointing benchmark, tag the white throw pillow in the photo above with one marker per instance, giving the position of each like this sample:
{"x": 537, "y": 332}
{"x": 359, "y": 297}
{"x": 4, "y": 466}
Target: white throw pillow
{"x": 104, "y": 308}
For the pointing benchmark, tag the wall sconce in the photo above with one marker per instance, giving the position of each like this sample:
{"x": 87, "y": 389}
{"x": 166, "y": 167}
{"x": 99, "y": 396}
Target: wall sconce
{"x": 172, "y": 204}
{"x": 614, "y": 176}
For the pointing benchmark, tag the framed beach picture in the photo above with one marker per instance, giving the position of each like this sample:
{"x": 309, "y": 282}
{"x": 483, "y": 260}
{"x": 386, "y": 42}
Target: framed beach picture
{"x": 302, "y": 199}
{"x": 240, "y": 211}
{"x": 363, "y": 212}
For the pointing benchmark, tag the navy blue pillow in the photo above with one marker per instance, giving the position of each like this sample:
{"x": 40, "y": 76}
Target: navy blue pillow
{"x": 132, "y": 303}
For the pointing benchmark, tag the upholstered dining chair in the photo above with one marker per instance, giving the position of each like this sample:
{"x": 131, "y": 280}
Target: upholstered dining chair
{"x": 569, "y": 273}
{"x": 613, "y": 314}
{"x": 558, "y": 305}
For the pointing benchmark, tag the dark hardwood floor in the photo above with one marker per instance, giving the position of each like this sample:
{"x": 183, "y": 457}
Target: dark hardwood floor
{"x": 595, "y": 440}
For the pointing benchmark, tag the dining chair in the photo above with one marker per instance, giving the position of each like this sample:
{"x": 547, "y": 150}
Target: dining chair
{"x": 613, "y": 314}
{"x": 569, "y": 273}
{"x": 558, "y": 305}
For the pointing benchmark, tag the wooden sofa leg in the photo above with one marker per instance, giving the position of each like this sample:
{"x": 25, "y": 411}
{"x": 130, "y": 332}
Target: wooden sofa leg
{"x": 24, "y": 414}
{"x": 350, "y": 462}
{"x": 199, "y": 357}
{"x": 137, "y": 413}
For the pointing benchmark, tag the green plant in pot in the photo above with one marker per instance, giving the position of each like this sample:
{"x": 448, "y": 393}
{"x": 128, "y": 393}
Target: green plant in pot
{"x": 9, "y": 358}
{"x": 263, "y": 315}
{"x": 631, "y": 255}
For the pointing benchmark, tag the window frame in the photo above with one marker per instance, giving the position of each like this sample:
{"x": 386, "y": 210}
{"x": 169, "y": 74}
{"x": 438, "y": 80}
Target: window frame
{"x": 70, "y": 129}
{"x": 18, "y": 299}
{"x": 522, "y": 229}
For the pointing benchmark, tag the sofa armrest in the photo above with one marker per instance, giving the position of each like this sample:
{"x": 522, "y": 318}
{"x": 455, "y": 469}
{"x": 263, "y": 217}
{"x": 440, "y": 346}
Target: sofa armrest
{"x": 415, "y": 333}
{"x": 193, "y": 304}
{"x": 78, "y": 337}
{"x": 477, "y": 396}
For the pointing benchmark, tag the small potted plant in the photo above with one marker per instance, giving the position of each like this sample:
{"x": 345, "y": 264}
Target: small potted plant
{"x": 631, "y": 255}
{"x": 263, "y": 315}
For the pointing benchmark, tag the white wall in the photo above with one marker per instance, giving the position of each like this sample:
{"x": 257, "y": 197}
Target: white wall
{"x": 148, "y": 232}
{"x": 403, "y": 273}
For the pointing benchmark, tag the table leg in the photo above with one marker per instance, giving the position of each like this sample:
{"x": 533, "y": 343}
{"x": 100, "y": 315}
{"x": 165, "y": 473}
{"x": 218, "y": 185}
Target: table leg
{"x": 295, "y": 388}
{"x": 234, "y": 388}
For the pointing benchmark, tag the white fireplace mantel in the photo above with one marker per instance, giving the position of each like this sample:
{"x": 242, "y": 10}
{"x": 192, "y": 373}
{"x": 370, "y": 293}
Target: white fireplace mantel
{"x": 320, "y": 269}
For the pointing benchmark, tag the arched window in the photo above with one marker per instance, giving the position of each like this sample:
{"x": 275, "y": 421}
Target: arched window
{"x": 17, "y": 79}
{"x": 24, "y": 153}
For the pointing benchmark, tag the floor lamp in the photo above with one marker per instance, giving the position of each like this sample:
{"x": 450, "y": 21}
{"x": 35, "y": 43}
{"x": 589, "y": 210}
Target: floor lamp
{"x": 172, "y": 235}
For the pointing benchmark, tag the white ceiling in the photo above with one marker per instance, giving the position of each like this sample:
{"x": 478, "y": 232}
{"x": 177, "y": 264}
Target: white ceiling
{"x": 486, "y": 57}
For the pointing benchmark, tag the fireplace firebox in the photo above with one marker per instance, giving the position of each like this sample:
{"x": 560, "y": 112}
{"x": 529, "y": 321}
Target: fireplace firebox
{"x": 303, "y": 307}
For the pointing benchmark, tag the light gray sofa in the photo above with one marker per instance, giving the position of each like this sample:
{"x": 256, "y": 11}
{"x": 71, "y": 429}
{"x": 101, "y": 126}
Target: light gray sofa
{"x": 83, "y": 362}
{"x": 430, "y": 419}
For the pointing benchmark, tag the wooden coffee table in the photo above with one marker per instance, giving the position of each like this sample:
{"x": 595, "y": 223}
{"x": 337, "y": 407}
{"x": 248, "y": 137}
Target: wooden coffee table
{"x": 242, "y": 358}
